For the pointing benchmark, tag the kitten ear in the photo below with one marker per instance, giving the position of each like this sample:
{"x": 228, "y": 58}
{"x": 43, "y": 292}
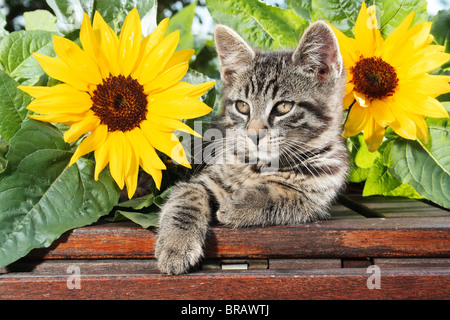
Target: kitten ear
{"x": 318, "y": 52}
{"x": 234, "y": 53}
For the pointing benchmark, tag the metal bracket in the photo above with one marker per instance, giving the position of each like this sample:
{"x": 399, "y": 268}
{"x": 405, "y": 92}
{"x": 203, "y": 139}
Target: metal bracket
{"x": 235, "y": 264}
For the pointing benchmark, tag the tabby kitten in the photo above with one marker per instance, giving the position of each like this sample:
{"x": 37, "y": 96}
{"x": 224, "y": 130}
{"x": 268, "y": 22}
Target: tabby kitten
{"x": 288, "y": 101}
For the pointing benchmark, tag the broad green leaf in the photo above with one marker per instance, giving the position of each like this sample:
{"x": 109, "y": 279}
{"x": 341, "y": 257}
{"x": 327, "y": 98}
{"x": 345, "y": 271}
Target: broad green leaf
{"x": 3, "y": 31}
{"x": 441, "y": 32}
{"x": 13, "y": 106}
{"x": 425, "y": 167}
{"x": 41, "y": 197}
{"x": 145, "y": 220}
{"x": 380, "y": 180}
{"x": 363, "y": 157}
{"x": 261, "y": 25}
{"x": 441, "y": 29}
{"x": 40, "y": 20}
{"x": 4, "y": 147}
{"x": 301, "y": 8}
{"x": 343, "y": 13}
{"x": 183, "y": 21}
{"x": 138, "y": 203}
{"x": 160, "y": 199}
{"x": 69, "y": 13}
{"x": 16, "y": 54}
{"x": 393, "y": 12}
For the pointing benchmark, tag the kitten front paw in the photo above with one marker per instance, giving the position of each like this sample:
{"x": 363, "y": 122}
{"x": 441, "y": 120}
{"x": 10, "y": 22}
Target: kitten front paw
{"x": 176, "y": 255}
{"x": 243, "y": 208}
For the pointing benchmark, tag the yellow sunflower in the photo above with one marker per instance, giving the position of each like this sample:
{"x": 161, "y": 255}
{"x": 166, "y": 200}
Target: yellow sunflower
{"x": 126, "y": 92}
{"x": 388, "y": 81}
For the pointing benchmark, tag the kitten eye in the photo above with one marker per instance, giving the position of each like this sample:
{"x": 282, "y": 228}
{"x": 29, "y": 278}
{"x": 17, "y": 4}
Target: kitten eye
{"x": 243, "y": 107}
{"x": 283, "y": 107}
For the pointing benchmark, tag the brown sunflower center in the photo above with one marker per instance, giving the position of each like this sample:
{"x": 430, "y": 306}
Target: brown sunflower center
{"x": 374, "y": 77}
{"x": 120, "y": 103}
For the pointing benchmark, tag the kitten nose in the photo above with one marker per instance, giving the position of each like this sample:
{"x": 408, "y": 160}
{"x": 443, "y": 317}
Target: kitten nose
{"x": 256, "y": 131}
{"x": 256, "y": 136}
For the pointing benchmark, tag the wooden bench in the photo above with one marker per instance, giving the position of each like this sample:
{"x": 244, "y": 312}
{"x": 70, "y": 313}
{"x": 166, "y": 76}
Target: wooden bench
{"x": 371, "y": 248}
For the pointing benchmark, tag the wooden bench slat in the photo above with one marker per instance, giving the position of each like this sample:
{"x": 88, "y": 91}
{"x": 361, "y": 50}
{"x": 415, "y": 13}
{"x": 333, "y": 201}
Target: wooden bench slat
{"x": 398, "y": 207}
{"x": 433, "y": 283}
{"x": 340, "y": 238}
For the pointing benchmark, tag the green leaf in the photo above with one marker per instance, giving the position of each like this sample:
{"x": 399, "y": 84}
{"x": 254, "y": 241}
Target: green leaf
{"x": 3, "y": 31}
{"x": 394, "y": 12}
{"x": 425, "y": 168}
{"x": 361, "y": 158}
{"x": 261, "y": 25}
{"x": 16, "y": 54}
{"x": 380, "y": 180}
{"x": 364, "y": 158}
{"x": 69, "y": 13}
{"x": 138, "y": 203}
{"x": 13, "y": 106}
{"x": 145, "y": 220}
{"x": 41, "y": 197}
{"x": 441, "y": 29}
{"x": 4, "y": 147}
{"x": 183, "y": 21}
{"x": 441, "y": 32}
{"x": 39, "y": 20}
{"x": 343, "y": 13}
{"x": 160, "y": 199}
{"x": 301, "y": 8}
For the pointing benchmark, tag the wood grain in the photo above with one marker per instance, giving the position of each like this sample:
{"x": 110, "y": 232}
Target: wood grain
{"x": 249, "y": 285}
{"x": 341, "y": 238}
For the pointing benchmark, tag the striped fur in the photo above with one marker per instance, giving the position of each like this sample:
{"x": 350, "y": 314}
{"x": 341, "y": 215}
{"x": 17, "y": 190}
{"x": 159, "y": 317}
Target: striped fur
{"x": 312, "y": 158}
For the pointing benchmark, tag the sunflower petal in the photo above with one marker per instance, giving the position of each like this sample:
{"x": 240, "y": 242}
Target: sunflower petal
{"x": 79, "y": 62}
{"x": 153, "y": 63}
{"x": 171, "y": 125}
{"x": 167, "y": 143}
{"x": 373, "y": 135}
{"x": 367, "y": 33}
{"x": 62, "y": 102}
{"x": 89, "y": 123}
{"x": 90, "y": 143}
{"x": 421, "y": 104}
{"x": 117, "y": 157}
{"x": 403, "y": 125}
{"x": 167, "y": 78}
{"x": 381, "y": 112}
{"x": 182, "y": 90}
{"x": 145, "y": 150}
{"x": 91, "y": 45}
{"x": 356, "y": 121}
{"x": 178, "y": 57}
{"x": 109, "y": 43}
{"x": 132, "y": 171}
{"x": 65, "y": 118}
{"x": 149, "y": 43}
{"x": 102, "y": 156}
{"x": 130, "y": 42}
{"x": 58, "y": 69}
{"x": 39, "y": 91}
{"x": 397, "y": 36}
{"x": 179, "y": 109}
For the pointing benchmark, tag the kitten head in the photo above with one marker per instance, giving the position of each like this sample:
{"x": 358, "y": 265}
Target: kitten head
{"x": 282, "y": 96}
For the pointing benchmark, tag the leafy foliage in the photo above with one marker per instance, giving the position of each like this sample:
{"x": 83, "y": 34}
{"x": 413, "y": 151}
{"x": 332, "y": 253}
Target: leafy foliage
{"x": 41, "y": 197}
